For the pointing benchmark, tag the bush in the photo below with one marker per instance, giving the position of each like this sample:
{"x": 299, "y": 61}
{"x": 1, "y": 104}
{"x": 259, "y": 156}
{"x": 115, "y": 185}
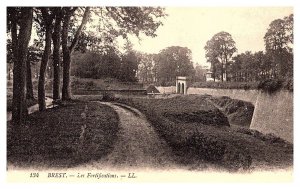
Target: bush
{"x": 270, "y": 85}
{"x": 108, "y": 96}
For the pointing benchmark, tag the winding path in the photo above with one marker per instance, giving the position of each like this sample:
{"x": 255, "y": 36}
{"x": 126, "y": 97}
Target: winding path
{"x": 137, "y": 145}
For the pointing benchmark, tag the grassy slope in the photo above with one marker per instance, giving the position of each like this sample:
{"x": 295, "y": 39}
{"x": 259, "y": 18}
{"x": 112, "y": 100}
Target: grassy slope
{"x": 52, "y": 138}
{"x": 219, "y": 145}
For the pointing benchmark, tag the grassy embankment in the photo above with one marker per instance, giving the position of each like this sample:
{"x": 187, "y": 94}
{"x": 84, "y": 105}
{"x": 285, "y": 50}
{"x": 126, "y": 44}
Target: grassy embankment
{"x": 195, "y": 129}
{"x": 58, "y": 138}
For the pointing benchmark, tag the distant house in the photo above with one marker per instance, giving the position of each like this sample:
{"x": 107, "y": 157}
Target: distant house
{"x": 200, "y": 74}
{"x": 209, "y": 76}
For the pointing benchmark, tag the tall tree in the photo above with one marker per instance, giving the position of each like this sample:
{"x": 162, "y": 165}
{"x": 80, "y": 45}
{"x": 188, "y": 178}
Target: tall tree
{"x": 21, "y": 24}
{"x": 129, "y": 64}
{"x": 279, "y": 42}
{"x": 56, "y": 37}
{"x": 174, "y": 61}
{"x": 146, "y": 67}
{"x": 47, "y": 24}
{"x": 67, "y": 50}
{"x": 9, "y": 58}
{"x": 219, "y": 49}
{"x": 33, "y": 56}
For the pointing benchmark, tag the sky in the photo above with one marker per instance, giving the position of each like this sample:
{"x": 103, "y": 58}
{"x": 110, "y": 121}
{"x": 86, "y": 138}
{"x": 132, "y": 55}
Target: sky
{"x": 192, "y": 27}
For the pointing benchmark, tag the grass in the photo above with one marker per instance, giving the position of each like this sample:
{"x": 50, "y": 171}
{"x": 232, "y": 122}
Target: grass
{"x": 58, "y": 138}
{"x": 223, "y": 146}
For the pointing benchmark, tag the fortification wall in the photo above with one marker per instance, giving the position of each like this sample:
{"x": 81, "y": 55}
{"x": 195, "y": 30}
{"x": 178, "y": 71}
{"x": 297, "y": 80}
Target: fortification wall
{"x": 273, "y": 113}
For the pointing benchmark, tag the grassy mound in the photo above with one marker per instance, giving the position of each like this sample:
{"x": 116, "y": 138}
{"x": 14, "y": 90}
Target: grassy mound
{"x": 211, "y": 117}
{"x": 188, "y": 109}
{"x": 63, "y": 136}
{"x": 222, "y": 146}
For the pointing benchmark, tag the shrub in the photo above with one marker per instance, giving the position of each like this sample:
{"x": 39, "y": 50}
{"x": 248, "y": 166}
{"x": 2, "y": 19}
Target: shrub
{"x": 108, "y": 96}
{"x": 270, "y": 85}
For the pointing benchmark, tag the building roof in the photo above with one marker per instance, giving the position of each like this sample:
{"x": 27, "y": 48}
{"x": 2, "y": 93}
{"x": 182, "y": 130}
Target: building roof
{"x": 152, "y": 89}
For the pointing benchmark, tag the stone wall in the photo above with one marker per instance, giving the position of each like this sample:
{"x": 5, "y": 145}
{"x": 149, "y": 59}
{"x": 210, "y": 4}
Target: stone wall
{"x": 273, "y": 113}
{"x": 245, "y": 95}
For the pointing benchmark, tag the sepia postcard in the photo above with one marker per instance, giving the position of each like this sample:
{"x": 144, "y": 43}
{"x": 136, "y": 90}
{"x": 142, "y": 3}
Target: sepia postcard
{"x": 149, "y": 94}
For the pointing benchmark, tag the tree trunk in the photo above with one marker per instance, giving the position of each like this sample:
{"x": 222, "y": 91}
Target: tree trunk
{"x": 222, "y": 72}
{"x": 66, "y": 93}
{"x": 29, "y": 86}
{"x": 44, "y": 62}
{"x": 56, "y": 55}
{"x": 67, "y": 51}
{"x": 45, "y": 58}
{"x": 19, "y": 110}
{"x": 9, "y": 76}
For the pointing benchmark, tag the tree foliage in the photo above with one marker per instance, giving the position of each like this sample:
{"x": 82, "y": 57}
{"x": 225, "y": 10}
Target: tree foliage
{"x": 218, "y": 51}
{"x": 174, "y": 61}
{"x": 147, "y": 68}
{"x": 276, "y": 63}
{"x": 279, "y": 44}
{"x": 97, "y": 64}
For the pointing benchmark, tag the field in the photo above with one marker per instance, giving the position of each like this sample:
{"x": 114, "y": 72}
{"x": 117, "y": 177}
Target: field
{"x": 64, "y": 136}
{"x": 200, "y": 138}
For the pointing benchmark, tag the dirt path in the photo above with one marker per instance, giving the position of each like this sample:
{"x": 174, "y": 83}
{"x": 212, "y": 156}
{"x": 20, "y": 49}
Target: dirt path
{"x": 137, "y": 146}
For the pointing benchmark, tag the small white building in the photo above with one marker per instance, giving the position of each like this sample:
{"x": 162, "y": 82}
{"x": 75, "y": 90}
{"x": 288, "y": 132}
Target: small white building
{"x": 181, "y": 85}
{"x": 208, "y": 76}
